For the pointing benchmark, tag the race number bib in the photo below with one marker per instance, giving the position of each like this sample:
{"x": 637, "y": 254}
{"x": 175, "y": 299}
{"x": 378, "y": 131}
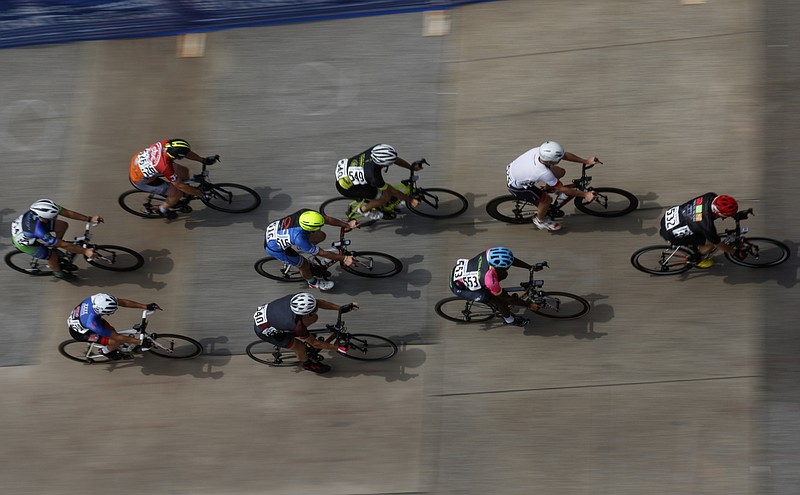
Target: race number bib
{"x": 682, "y": 231}
{"x": 260, "y": 316}
{"x": 74, "y": 322}
{"x": 672, "y": 219}
{"x": 273, "y": 234}
{"x": 472, "y": 280}
{"x": 147, "y": 167}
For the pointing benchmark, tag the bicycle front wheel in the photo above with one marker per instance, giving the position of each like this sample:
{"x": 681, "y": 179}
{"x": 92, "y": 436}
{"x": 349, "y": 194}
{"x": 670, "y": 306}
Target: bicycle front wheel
{"x": 662, "y": 260}
{"x": 116, "y": 258}
{"x": 368, "y": 347}
{"x": 141, "y": 203}
{"x": 271, "y": 355}
{"x": 762, "y": 253}
{"x": 611, "y": 202}
{"x": 170, "y": 345}
{"x": 277, "y": 270}
{"x": 372, "y": 264}
{"x": 232, "y": 198}
{"x": 562, "y": 306}
{"x": 510, "y": 209}
{"x": 464, "y": 311}
{"x": 25, "y": 263}
{"x": 436, "y": 202}
{"x": 83, "y": 352}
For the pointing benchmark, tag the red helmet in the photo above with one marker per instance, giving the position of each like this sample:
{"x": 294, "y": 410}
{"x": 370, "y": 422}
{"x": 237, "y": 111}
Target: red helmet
{"x": 724, "y": 206}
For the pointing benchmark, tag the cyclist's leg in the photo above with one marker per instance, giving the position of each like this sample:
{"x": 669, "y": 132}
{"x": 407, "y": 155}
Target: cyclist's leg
{"x": 534, "y": 196}
{"x": 293, "y": 258}
{"x": 374, "y": 198}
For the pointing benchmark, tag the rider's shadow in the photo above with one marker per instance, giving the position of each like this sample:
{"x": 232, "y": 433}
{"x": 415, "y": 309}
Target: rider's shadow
{"x": 7, "y": 215}
{"x": 156, "y": 262}
{"x": 648, "y": 213}
{"x": 397, "y": 285}
{"x": 203, "y": 366}
{"x": 408, "y": 223}
{"x": 204, "y": 216}
{"x": 580, "y": 328}
{"x": 394, "y": 369}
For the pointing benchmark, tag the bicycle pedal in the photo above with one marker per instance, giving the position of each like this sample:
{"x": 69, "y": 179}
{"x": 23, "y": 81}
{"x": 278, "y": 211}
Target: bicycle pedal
{"x": 185, "y": 209}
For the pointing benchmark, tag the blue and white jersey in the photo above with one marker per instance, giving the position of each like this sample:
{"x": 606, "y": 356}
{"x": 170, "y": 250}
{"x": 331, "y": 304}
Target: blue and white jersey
{"x": 287, "y": 233}
{"x": 28, "y": 229}
{"x": 83, "y": 319}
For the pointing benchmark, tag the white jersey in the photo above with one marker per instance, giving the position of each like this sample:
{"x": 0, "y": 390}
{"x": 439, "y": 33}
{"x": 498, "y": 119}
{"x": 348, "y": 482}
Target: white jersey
{"x": 527, "y": 170}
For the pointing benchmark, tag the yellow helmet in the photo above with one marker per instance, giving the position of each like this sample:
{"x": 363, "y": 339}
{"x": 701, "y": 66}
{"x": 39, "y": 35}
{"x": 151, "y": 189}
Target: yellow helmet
{"x": 177, "y": 148}
{"x": 311, "y": 220}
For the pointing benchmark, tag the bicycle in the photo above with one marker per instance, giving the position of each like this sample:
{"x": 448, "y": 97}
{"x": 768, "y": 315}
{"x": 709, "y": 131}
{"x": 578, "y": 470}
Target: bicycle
{"x": 167, "y": 345}
{"x": 224, "y": 196}
{"x": 434, "y": 202}
{"x": 360, "y": 346}
{"x": 610, "y": 202}
{"x": 756, "y": 252}
{"x": 106, "y": 256}
{"x": 552, "y": 304}
{"x": 370, "y": 264}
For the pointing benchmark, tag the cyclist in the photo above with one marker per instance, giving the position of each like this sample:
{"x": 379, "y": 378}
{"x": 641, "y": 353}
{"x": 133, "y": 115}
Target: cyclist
{"x": 360, "y": 178}
{"x": 692, "y": 224}
{"x": 478, "y": 279}
{"x": 37, "y": 232}
{"x": 86, "y": 324}
{"x": 302, "y": 231}
{"x": 284, "y": 322}
{"x": 540, "y": 165}
{"x": 154, "y": 165}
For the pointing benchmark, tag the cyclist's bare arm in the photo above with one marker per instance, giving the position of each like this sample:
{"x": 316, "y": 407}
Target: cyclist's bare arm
{"x": 74, "y": 248}
{"x": 128, "y": 303}
{"x": 589, "y": 162}
{"x": 410, "y": 166}
{"x": 725, "y": 247}
{"x": 186, "y": 188}
{"x": 80, "y": 216}
{"x": 589, "y": 196}
{"x": 329, "y": 220}
{"x": 392, "y": 192}
{"x": 346, "y": 259}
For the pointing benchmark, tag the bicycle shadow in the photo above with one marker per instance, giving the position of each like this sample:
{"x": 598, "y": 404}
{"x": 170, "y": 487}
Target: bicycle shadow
{"x": 397, "y": 286}
{"x": 5, "y": 225}
{"x": 580, "y": 328}
{"x": 156, "y": 262}
{"x": 633, "y": 223}
{"x": 203, "y": 366}
{"x": 207, "y": 217}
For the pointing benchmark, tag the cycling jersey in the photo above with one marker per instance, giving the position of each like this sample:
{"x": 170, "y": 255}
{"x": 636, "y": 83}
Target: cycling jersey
{"x": 691, "y": 223}
{"x": 527, "y": 171}
{"x": 360, "y": 171}
{"x": 276, "y": 321}
{"x": 29, "y": 229}
{"x": 475, "y": 275}
{"x": 83, "y": 320}
{"x": 152, "y": 163}
{"x": 287, "y": 233}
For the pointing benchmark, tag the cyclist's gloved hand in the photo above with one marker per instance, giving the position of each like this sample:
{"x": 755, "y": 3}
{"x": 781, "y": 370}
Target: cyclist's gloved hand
{"x": 349, "y": 307}
{"x": 417, "y": 165}
{"x": 153, "y": 306}
{"x": 210, "y": 160}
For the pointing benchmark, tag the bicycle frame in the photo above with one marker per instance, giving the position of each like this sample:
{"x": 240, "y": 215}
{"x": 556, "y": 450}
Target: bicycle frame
{"x": 94, "y": 348}
{"x": 66, "y": 258}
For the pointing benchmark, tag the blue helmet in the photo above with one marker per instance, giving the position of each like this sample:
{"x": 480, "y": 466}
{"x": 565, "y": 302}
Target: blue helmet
{"x": 500, "y": 257}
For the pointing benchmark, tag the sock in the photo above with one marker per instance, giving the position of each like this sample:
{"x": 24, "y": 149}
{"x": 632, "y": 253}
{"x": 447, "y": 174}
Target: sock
{"x": 162, "y": 209}
{"x": 312, "y": 281}
{"x": 509, "y": 318}
{"x": 104, "y": 349}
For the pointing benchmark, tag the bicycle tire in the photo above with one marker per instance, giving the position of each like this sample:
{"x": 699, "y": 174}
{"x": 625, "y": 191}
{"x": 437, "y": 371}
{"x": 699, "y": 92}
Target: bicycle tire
{"x": 382, "y": 265}
{"x": 620, "y": 203}
{"x": 243, "y": 199}
{"x": 654, "y": 267}
{"x": 369, "y": 347}
{"x": 76, "y": 351}
{"x": 571, "y": 306}
{"x": 275, "y": 270}
{"x": 25, "y": 263}
{"x": 771, "y": 253}
{"x": 119, "y": 263}
{"x": 511, "y": 209}
{"x": 448, "y": 203}
{"x": 461, "y": 310}
{"x": 141, "y": 203}
{"x": 178, "y": 346}
{"x": 264, "y": 353}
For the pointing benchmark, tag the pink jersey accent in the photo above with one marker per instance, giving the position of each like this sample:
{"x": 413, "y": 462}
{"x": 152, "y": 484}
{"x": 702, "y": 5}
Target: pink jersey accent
{"x": 492, "y": 282}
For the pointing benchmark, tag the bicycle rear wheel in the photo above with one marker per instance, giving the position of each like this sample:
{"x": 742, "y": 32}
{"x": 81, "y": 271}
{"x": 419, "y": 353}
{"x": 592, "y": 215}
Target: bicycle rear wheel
{"x": 372, "y": 264}
{"x": 141, "y": 203}
{"x": 762, "y": 253}
{"x": 80, "y": 351}
{"x": 271, "y": 355}
{"x": 25, "y": 263}
{"x": 436, "y": 202}
{"x": 510, "y": 209}
{"x": 117, "y": 258}
{"x": 562, "y": 306}
{"x": 464, "y": 311}
{"x": 170, "y": 345}
{"x": 368, "y": 347}
{"x": 612, "y": 202}
{"x": 232, "y": 198}
{"x": 277, "y": 270}
{"x": 662, "y": 260}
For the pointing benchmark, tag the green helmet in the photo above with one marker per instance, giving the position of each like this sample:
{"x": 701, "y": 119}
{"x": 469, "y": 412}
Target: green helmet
{"x": 311, "y": 220}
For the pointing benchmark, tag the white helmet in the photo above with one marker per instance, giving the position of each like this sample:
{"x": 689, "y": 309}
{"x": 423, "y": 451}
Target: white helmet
{"x": 44, "y": 208}
{"x": 383, "y": 155}
{"x": 303, "y": 304}
{"x": 551, "y": 151}
{"x": 104, "y": 304}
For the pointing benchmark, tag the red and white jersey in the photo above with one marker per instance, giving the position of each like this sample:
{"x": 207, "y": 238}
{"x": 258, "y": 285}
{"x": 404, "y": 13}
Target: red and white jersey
{"x": 152, "y": 162}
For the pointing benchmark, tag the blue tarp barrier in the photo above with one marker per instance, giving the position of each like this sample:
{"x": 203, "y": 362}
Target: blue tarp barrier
{"x": 31, "y": 22}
